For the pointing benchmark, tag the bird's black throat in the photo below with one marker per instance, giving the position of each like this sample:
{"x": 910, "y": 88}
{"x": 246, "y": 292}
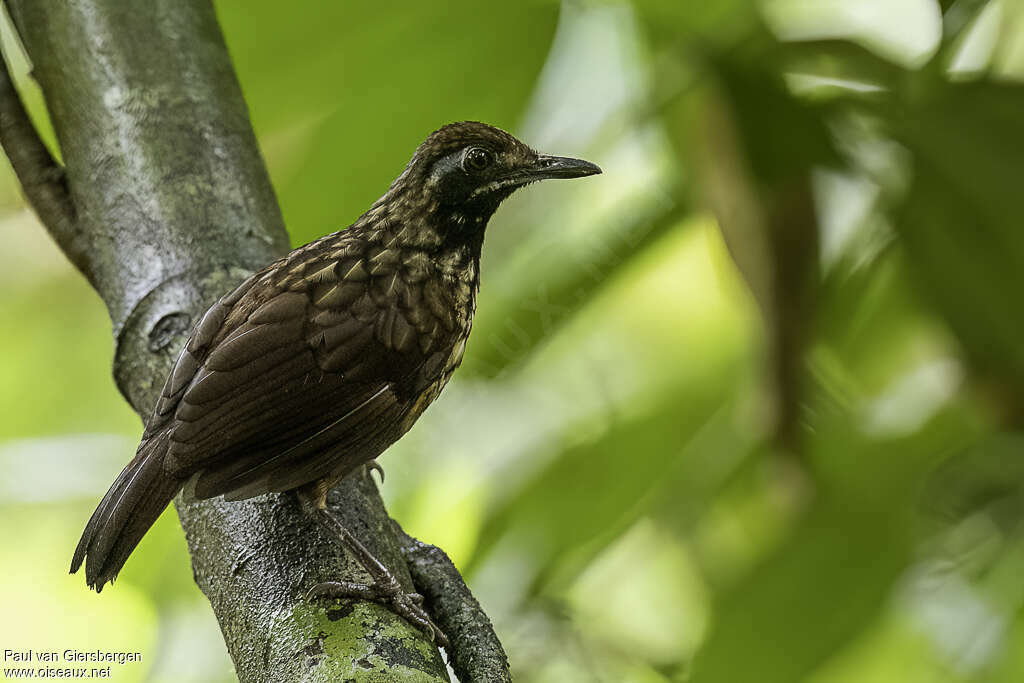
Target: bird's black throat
{"x": 463, "y": 225}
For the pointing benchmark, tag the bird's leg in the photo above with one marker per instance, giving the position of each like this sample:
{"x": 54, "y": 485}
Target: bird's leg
{"x": 384, "y": 589}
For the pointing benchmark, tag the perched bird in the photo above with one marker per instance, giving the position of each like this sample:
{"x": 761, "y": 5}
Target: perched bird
{"x": 316, "y": 364}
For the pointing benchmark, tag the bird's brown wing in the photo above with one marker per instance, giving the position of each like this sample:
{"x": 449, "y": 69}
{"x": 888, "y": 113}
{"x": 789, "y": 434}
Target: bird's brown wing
{"x": 300, "y": 375}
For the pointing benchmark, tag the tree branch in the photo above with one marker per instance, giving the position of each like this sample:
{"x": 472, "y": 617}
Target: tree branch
{"x": 41, "y": 177}
{"x": 166, "y": 204}
{"x": 477, "y": 654}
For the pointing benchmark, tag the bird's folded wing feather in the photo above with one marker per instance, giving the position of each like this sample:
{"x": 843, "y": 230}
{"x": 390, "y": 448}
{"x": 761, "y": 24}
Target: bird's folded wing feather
{"x": 297, "y": 374}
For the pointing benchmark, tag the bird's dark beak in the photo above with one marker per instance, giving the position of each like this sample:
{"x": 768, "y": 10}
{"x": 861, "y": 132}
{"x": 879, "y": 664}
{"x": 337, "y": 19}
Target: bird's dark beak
{"x": 544, "y": 167}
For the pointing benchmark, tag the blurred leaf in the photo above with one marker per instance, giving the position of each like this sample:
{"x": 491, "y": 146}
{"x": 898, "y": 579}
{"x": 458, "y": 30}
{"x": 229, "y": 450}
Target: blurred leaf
{"x": 643, "y": 405}
{"x": 721, "y": 23}
{"x": 873, "y": 321}
{"x": 817, "y": 590}
{"x": 830, "y": 577}
{"x": 377, "y": 82}
{"x": 594, "y": 490}
{"x": 893, "y": 648}
{"x": 714, "y": 453}
{"x": 961, "y": 218}
{"x": 957, "y": 14}
{"x": 987, "y": 477}
{"x": 907, "y": 32}
{"x": 780, "y": 137}
{"x": 841, "y": 60}
{"x": 554, "y": 287}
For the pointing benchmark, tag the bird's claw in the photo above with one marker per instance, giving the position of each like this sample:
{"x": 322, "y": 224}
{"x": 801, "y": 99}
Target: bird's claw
{"x": 407, "y": 605}
{"x": 410, "y": 606}
{"x": 374, "y": 466}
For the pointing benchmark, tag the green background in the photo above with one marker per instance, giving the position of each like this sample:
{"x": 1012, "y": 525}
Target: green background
{"x": 746, "y": 407}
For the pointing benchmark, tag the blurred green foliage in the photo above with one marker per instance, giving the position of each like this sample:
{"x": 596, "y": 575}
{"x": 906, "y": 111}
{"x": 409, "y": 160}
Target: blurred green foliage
{"x": 744, "y": 408}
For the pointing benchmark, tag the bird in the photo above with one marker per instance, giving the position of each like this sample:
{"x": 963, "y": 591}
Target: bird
{"x": 316, "y": 364}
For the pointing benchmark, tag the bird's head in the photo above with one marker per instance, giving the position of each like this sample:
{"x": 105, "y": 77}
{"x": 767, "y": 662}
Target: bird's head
{"x": 464, "y": 170}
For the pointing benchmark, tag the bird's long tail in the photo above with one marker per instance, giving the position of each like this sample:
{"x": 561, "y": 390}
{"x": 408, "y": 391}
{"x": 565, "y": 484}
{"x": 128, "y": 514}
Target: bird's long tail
{"x": 134, "y": 501}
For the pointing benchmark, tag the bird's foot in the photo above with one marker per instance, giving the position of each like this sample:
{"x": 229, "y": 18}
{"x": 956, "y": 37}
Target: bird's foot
{"x": 407, "y": 605}
{"x": 384, "y": 587}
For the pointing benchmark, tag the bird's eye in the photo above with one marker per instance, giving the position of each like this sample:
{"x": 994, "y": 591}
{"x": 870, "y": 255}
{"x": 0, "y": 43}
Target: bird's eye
{"x": 478, "y": 158}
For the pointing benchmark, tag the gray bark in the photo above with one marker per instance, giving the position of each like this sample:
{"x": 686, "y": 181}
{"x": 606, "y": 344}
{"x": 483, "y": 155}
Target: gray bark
{"x": 166, "y": 204}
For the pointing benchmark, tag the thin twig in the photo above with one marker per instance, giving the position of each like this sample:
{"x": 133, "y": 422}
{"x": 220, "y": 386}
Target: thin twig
{"x": 475, "y": 653}
{"x": 42, "y": 178}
